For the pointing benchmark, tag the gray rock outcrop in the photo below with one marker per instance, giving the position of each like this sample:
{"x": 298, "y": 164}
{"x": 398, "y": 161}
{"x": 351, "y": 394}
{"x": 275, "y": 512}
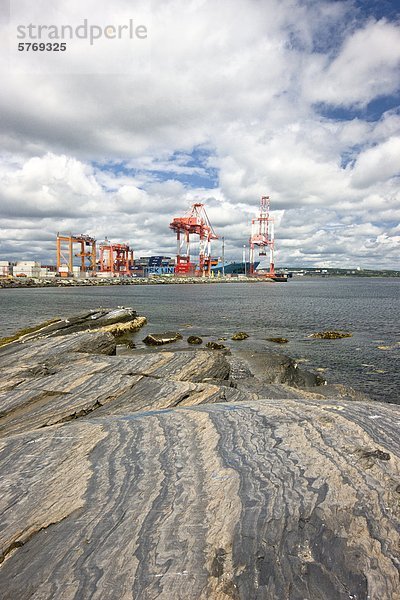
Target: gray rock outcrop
{"x": 190, "y": 474}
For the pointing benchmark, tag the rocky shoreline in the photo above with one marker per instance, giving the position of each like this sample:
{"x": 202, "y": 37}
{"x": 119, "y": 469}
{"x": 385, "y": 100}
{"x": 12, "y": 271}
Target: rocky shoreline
{"x": 188, "y": 474}
{"x": 16, "y": 282}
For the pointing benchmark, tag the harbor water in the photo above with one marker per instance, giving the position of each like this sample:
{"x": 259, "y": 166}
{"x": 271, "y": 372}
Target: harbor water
{"x": 367, "y": 307}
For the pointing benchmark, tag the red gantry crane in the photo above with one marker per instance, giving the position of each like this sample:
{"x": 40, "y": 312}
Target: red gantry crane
{"x": 115, "y": 258}
{"x": 262, "y": 235}
{"x": 195, "y": 222}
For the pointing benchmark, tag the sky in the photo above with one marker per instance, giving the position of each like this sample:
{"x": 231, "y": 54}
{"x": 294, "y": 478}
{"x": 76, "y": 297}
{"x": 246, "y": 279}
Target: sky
{"x": 215, "y": 101}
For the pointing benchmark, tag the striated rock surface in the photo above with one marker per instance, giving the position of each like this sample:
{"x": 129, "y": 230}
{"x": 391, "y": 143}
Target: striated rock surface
{"x": 45, "y": 389}
{"x": 279, "y": 368}
{"x": 117, "y": 321}
{"x": 190, "y": 475}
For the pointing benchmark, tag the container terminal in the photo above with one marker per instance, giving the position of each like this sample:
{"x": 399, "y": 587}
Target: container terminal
{"x": 82, "y": 256}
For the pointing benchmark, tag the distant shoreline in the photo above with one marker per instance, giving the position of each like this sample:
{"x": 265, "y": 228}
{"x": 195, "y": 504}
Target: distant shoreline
{"x": 21, "y": 283}
{"x": 16, "y": 283}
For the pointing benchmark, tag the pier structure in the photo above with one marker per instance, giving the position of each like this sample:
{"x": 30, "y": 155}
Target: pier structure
{"x": 194, "y": 222}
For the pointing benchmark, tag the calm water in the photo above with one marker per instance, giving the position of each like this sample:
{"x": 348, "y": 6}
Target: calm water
{"x": 367, "y": 307}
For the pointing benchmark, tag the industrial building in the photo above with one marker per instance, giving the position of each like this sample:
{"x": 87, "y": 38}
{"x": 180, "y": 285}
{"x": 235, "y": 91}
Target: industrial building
{"x": 26, "y": 268}
{"x": 5, "y": 268}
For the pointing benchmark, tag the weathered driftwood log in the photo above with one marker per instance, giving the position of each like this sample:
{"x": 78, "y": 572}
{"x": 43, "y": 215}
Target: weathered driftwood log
{"x": 190, "y": 475}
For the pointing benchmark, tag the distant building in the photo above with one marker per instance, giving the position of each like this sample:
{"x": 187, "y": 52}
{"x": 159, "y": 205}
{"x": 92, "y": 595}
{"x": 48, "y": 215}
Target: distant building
{"x": 27, "y": 268}
{"x": 5, "y": 268}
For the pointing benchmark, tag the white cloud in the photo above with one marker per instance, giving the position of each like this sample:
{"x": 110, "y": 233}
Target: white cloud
{"x": 366, "y": 67}
{"x": 377, "y": 164}
{"x": 47, "y": 186}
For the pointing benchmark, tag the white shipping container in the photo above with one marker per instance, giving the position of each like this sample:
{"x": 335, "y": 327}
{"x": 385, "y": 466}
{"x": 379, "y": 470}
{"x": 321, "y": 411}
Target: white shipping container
{"x": 5, "y": 268}
{"x": 26, "y": 272}
{"x": 44, "y": 272}
{"x": 28, "y": 264}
